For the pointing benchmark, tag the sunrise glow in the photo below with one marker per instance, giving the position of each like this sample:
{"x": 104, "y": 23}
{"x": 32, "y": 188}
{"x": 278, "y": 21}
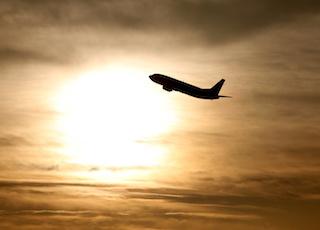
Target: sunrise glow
{"x": 107, "y": 117}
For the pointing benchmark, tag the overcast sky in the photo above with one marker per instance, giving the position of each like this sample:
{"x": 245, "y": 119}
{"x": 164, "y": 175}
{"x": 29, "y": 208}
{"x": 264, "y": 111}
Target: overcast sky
{"x": 250, "y": 162}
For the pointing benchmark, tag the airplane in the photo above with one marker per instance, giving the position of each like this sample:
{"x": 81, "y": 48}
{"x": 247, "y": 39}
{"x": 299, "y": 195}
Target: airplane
{"x": 169, "y": 84}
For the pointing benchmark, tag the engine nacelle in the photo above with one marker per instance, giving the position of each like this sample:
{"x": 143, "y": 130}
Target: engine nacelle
{"x": 167, "y": 88}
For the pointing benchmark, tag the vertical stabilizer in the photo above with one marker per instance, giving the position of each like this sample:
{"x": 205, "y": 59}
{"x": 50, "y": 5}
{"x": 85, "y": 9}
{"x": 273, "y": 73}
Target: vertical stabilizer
{"x": 217, "y": 87}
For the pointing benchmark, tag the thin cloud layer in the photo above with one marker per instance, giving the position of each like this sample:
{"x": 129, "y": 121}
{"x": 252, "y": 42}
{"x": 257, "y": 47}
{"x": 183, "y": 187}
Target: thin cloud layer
{"x": 8, "y": 55}
{"x": 251, "y": 162}
{"x": 64, "y": 32}
{"x": 13, "y": 141}
{"x": 124, "y": 206}
{"x": 217, "y": 21}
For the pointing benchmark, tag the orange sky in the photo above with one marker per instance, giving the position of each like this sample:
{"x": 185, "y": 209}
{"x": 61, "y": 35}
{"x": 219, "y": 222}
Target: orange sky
{"x": 88, "y": 141}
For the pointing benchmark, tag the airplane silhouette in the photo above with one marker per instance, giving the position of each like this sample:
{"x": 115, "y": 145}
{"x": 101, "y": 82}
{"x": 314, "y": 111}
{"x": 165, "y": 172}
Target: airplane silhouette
{"x": 169, "y": 84}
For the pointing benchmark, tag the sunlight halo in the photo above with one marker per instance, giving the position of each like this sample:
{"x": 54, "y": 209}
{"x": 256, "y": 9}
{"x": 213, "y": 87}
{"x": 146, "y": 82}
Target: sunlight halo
{"x": 108, "y": 117}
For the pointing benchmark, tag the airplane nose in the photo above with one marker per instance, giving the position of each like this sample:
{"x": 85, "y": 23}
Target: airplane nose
{"x": 151, "y": 77}
{"x": 155, "y": 78}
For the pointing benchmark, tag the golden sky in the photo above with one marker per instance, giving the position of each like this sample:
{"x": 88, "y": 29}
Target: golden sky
{"x": 87, "y": 141}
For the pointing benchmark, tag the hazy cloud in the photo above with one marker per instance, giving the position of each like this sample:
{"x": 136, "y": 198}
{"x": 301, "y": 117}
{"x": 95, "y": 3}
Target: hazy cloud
{"x": 13, "y": 55}
{"x": 13, "y": 141}
{"x": 217, "y": 21}
{"x": 152, "y": 207}
{"x": 246, "y": 163}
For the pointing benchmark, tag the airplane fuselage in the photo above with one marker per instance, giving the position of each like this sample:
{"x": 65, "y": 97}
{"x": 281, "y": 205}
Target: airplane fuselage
{"x": 170, "y": 84}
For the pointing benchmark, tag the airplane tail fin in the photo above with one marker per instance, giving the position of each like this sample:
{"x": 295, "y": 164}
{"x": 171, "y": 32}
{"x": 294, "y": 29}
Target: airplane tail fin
{"x": 217, "y": 87}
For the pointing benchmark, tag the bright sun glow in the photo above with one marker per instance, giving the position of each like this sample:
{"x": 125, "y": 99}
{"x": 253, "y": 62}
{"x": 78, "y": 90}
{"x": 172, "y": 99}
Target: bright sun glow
{"x": 109, "y": 117}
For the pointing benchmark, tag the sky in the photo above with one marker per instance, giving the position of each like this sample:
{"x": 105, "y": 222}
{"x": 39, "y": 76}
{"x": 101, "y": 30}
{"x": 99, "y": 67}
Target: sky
{"x": 87, "y": 141}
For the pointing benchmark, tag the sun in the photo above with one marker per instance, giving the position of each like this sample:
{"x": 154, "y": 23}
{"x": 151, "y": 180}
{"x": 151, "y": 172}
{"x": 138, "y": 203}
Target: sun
{"x": 109, "y": 117}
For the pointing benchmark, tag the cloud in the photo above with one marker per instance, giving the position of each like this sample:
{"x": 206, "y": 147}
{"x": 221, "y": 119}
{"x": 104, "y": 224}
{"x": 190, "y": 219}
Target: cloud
{"x": 247, "y": 190}
{"x": 69, "y": 32}
{"x": 145, "y": 207}
{"x": 213, "y": 215}
{"x": 117, "y": 169}
{"x": 295, "y": 186}
{"x": 224, "y": 21}
{"x": 18, "y": 56}
{"x": 47, "y": 212}
{"x": 254, "y": 141}
{"x": 216, "y": 21}
{"x": 13, "y": 141}
{"x": 17, "y": 183}
{"x": 108, "y": 206}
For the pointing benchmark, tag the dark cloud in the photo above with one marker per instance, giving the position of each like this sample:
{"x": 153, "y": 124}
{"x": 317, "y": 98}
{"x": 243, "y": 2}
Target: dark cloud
{"x": 222, "y": 21}
{"x": 152, "y": 207}
{"x": 13, "y": 141}
{"x": 297, "y": 186}
{"x": 17, "y": 183}
{"x": 217, "y": 21}
{"x": 19, "y": 56}
{"x": 66, "y": 32}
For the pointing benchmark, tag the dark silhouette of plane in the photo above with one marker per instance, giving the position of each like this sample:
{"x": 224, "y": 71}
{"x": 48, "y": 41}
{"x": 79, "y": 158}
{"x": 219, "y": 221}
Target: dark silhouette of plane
{"x": 169, "y": 84}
